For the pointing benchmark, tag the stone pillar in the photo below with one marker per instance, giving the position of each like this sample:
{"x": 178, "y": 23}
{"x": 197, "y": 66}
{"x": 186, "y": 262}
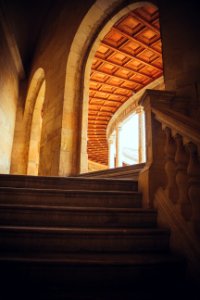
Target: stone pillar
{"x": 141, "y": 136}
{"x": 153, "y": 174}
{"x": 118, "y": 146}
{"x": 111, "y": 152}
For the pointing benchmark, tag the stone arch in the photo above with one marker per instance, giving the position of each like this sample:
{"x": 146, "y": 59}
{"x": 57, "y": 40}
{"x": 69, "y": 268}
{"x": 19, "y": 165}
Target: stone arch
{"x": 33, "y": 120}
{"x": 35, "y": 133}
{"x": 101, "y": 16}
{"x": 33, "y": 90}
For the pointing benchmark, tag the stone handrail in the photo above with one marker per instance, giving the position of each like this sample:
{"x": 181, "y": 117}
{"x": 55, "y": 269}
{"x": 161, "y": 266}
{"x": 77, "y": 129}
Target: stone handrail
{"x": 128, "y": 172}
{"x": 178, "y": 123}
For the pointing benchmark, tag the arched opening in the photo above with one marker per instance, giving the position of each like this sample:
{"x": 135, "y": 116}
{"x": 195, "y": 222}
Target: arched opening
{"x": 126, "y": 142}
{"x": 128, "y": 59}
{"x": 33, "y": 120}
{"x": 35, "y": 136}
{"x": 92, "y": 30}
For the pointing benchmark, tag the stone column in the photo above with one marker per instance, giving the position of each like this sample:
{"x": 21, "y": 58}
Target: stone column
{"x": 141, "y": 136}
{"x": 153, "y": 174}
{"x": 118, "y": 146}
{"x": 111, "y": 152}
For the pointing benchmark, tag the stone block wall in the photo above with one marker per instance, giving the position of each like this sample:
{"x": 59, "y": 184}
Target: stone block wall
{"x": 8, "y": 103}
{"x": 180, "y": 35}
{"x": 61, "y": 132}
{"x": 56, "y": 157}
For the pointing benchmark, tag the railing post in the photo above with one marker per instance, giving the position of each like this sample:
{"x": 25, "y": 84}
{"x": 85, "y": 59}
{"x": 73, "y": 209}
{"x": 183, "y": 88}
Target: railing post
{"x": 153, "y": 175}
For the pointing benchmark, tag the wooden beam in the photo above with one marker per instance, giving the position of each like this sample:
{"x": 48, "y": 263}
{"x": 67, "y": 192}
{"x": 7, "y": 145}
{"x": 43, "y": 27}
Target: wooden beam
{"x": 102, "y": 130}
{"x": 130, "y": 56}
{"x": 122, "y": 67}
{"x": 103, "y": 99}
{"x": 143, "y": 21}
{"x": 104, "y": 150}
{"x": 102, "y": 106}
{"x": 98, "y": 127}
{"x": 118, "y": 77}
{"x": 128, "y": 36}
{"x": 100, "y": 118}
{"x": 97, "y": 136}
{"x": 98, "y": 133}
{"x": 101, "y": 152}
{"x": 98, "y": 122}
{"x": 112, "y": 85}
{"x": 113, "y": 93}
{"x": 100, "y": 138}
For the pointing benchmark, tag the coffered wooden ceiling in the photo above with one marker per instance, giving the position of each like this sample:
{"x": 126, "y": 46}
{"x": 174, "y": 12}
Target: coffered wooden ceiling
{"x": 128, "y": 58}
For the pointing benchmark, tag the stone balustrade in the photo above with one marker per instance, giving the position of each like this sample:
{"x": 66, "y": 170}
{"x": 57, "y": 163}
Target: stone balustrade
{"x": 183, "y": 177}
{"x": 174, "y": 154}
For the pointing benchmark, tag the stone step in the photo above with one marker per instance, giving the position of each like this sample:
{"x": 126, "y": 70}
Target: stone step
{"x": 67, "y": 183}
{"x": 89, "y": 276}
{"x": 43, "y": 215}
{"x": 128, "y": 172}
{"x": 62, "y": 240}
{"x": 81, "y": 198}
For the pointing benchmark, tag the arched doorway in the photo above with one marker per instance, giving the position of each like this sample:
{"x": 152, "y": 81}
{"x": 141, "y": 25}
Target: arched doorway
{"x": 86, "y": 42}
{"x": 128, "y": 59}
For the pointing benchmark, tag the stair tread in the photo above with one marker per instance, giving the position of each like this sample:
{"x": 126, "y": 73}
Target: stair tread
{"x": 51, "y": 190}
{"x": 52, "y": 178}
{"x": 94, "y": 259}
{"x": 79, "y": 209}
{"x": 82, "y": 230}
{"x": 78, "y": 250}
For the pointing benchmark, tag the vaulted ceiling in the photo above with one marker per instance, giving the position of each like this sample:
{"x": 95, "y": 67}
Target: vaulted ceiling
{"x": 128, "y": 58}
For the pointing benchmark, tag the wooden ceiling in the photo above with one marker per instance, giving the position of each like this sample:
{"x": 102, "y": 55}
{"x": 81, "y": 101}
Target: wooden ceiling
{"x": 128, "y": 58}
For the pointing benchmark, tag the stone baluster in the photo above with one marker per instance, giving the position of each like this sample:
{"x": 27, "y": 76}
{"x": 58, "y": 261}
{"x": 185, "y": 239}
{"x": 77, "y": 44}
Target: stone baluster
{"x": 170, "y": 166}
{"x": 181, "y": 159}
{"x": 194, "y": 185}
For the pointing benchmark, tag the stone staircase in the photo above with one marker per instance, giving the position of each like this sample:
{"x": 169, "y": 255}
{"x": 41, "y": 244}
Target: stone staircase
{"x": 80, "y": 238}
